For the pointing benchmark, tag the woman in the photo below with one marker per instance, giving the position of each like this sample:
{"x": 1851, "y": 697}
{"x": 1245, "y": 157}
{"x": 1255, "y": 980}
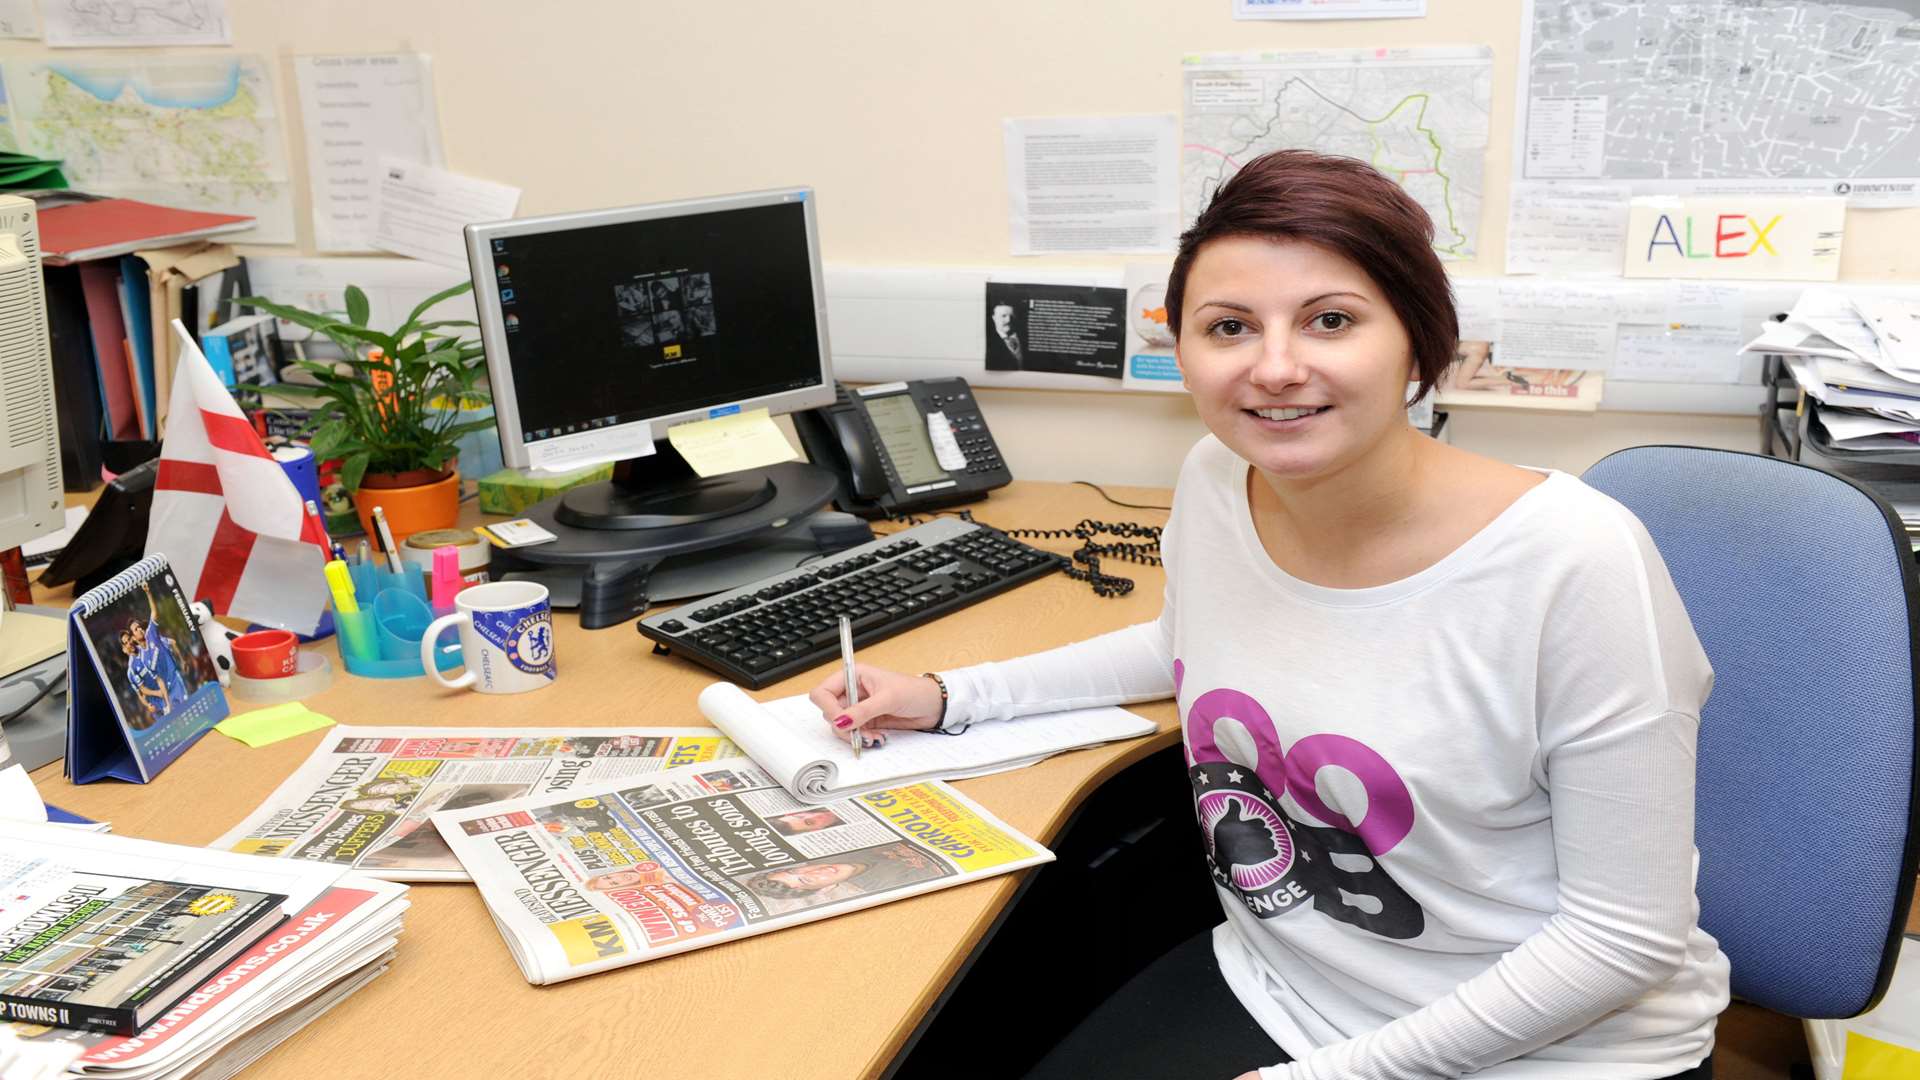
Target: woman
{"x": 1439, "y": 711}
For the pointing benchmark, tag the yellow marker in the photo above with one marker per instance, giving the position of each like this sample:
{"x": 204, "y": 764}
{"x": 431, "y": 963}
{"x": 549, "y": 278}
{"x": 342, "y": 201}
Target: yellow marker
{"x": 342, "y": 585}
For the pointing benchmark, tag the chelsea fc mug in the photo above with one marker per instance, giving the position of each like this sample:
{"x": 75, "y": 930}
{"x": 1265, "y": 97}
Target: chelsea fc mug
{"x": 506, "y": 636}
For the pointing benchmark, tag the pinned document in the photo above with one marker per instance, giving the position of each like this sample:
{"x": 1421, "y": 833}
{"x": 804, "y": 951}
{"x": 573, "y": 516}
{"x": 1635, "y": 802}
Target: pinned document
{"x": 724, "y": 444}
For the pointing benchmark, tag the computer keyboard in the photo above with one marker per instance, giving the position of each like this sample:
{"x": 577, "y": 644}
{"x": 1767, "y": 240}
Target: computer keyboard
{"x": 763, "y": 632}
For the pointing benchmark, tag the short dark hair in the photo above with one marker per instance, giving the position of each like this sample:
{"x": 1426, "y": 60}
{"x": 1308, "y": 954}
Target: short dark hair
{"x": 1345, "y": 206}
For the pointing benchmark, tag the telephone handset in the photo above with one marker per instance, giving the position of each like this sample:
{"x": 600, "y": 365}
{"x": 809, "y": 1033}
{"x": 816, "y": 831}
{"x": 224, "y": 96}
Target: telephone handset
{"x": 904, "y": 446}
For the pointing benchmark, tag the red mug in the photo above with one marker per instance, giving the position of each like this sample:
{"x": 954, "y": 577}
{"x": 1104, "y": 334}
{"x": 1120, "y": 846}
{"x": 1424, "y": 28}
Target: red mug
{"x": 266, "y": 654}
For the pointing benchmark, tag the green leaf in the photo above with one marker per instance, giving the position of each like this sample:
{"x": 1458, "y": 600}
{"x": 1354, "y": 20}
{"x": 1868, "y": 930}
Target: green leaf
{"x": 353, "y": 469}
{"x": 413, "y": 318}
{"x": 357, "y": 307}
{"x": 293, "y": 315}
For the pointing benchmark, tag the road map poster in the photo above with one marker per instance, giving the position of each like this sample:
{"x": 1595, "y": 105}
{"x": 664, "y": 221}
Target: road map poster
{"x": 1720, "y": 97}
{"x": 1418, "y": 115}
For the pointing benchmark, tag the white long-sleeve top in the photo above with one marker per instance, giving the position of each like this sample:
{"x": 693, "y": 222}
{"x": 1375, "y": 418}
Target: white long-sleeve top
{"x": 1450, "y": 818}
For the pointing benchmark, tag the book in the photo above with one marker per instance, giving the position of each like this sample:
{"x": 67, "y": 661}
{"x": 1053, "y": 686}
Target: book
{"x": 104, "y": 228}
{"x": 789, "y": 738}
{"x": 101, "y": 284}
{"x": 620, "y": 872}
{"x": 332, "y": 933}
{"x": 244, "y": 350}
{"x": 87, "y": 944}
{"x": 142, "y": 686}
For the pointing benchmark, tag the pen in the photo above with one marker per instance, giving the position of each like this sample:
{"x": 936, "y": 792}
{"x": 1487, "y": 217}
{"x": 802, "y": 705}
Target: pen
{"x": 853, "y": 684}
{"x": 319, "y": 523}
{"x": 364, "y": 554}
{"x": 339, "y": 552}
{"x": 386, "y": 539}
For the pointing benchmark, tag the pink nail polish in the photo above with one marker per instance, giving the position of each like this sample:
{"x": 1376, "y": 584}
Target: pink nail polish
{"x": 843, "y": 722}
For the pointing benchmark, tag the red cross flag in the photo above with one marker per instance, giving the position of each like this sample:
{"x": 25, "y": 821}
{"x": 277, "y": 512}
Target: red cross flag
{"x": 229, "y": 521}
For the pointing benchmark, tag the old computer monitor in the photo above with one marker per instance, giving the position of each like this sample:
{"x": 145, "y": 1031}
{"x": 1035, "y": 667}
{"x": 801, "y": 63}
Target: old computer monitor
{"x": 605, "y": 328}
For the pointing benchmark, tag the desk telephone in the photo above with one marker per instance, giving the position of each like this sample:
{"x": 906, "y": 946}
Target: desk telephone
{"x": 901, "y": 447}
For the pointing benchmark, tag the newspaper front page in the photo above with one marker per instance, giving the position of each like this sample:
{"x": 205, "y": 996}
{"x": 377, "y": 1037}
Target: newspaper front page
{"x": 694, "y": 856}
{"x": 363, "y": 797}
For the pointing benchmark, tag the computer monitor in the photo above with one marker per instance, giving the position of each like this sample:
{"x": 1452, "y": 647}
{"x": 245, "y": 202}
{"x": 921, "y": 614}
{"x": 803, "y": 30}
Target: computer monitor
{"x": 605, "y": 328}
{"x": 32, "y": 503}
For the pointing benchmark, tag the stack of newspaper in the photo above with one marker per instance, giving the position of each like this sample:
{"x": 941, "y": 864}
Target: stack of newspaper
{"x": 83, "y": 912}
{"x": 1858, "y": 358}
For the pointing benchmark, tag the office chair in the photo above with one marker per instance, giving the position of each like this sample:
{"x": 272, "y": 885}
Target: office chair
{"x": 1800, "y": 585}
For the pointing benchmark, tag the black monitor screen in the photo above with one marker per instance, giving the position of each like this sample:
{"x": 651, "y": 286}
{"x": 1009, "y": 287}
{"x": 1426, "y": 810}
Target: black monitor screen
{"x": 615, "y": 323}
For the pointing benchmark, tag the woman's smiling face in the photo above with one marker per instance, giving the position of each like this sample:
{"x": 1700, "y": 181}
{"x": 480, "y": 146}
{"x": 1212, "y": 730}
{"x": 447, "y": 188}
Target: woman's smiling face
{"x": 1294, "y": 358}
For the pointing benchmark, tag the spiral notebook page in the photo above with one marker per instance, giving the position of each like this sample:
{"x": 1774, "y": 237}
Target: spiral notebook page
{"x": 789, "y": 739}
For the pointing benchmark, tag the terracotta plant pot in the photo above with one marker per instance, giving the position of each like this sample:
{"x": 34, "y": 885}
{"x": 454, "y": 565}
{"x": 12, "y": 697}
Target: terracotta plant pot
{"x": 414, "y": 502}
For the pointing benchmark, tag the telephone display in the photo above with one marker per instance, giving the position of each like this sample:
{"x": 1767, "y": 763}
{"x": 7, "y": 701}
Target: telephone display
{"x": 904, "y": 446}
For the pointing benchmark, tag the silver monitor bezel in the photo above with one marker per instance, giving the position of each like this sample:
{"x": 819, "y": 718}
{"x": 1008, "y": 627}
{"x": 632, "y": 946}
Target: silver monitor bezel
{"x": 493, "y": 333}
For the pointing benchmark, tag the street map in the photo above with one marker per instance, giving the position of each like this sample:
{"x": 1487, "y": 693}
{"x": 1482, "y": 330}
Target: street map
{"x": 1418, "y": 115}
{"x": 1718, "y": 96}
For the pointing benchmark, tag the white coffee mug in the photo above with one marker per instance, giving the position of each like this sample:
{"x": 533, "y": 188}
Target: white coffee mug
{"x": 506, "y": 636}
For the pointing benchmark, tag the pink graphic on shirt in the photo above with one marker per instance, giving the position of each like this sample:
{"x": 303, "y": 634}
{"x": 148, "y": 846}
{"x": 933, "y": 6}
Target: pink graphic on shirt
{"x": 1389, "y": 816}
{"x": 1273, "y": 863}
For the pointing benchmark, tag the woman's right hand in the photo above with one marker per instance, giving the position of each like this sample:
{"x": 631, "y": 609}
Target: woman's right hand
{"x": 888, "y": 700}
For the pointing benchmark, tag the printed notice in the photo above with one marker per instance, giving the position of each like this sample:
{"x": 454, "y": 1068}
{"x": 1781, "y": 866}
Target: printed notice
{"x": 357, "y": 110}
{"x": 90, "y": 24}
{"x": 1574, "y": 229}
{"x": 421, "y": 210}
{"x": 18, "y": 19}
{"x": 1106, "y": 183}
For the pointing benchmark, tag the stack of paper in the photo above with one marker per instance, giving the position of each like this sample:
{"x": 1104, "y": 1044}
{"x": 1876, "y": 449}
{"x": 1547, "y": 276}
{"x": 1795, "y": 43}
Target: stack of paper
{"x": 336, "y": 931}
{"x": 1858, "y": 357}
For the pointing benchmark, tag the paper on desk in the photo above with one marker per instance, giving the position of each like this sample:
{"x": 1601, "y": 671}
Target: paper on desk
{"x": 788, "y": 738}
{"x": 263, "y": 727}
{"x": 421, "y": 210}
{"x": 357, "y": 110}
{"x": 1093, "y": 183}
{"x": 1577, "y": 229}
{"x": 19, "y": 799}
{"x": 724, "y": 444}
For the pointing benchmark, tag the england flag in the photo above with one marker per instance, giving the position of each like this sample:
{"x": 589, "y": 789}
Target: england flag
{"x": 231, "y": 524}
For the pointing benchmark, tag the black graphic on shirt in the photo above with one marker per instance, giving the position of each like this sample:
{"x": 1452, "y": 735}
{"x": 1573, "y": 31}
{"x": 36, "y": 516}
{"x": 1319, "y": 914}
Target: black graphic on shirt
{"x": 1274, "y": 864}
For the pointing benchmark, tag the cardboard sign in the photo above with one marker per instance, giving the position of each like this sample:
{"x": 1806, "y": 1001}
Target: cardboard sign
{"x": 1748, "y": 236}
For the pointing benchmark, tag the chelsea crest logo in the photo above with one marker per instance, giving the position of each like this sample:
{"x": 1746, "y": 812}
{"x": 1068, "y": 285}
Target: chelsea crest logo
{"x": 530, "y": 644}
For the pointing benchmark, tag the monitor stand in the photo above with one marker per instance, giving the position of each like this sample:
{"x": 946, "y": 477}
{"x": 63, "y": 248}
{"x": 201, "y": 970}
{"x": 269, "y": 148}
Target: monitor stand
{"x": 614, "y": 534}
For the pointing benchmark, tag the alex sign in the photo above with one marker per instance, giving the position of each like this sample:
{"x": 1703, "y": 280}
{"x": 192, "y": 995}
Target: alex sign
{"x": 1748, "y": 236}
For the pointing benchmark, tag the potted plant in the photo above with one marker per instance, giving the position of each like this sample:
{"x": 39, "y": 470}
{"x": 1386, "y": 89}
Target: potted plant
{"x": 391, "y": 410}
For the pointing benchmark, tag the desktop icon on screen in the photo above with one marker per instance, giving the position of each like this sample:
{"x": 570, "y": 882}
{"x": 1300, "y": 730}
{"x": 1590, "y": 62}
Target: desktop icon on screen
{"x": 506, "y": 296}
{"x": 671, "y": 352}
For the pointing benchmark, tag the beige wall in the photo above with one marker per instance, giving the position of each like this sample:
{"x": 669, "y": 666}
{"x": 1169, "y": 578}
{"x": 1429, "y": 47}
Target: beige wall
{"x": 892, "y": 111}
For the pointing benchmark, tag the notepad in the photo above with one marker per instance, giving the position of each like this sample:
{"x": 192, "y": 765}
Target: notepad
{"x": 789, "y": 739}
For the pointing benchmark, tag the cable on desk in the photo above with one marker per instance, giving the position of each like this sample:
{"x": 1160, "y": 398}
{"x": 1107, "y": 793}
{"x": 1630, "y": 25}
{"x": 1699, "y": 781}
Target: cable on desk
{"x": 1117, "y": 502}
{"x": 1138, "y": 544}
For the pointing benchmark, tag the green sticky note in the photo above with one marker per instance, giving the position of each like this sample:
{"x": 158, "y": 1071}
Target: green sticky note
{"x": 263, "y": 726}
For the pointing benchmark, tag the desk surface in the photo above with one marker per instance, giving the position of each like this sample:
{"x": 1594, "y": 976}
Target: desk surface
{"x": 832, "y": 999}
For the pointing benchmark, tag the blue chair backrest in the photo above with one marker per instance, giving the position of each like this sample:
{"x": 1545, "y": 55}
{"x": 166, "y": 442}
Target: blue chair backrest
{"x": 1800, "y": 585}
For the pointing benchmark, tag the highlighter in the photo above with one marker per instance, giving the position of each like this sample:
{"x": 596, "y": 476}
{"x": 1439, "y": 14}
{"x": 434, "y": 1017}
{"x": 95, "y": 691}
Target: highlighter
{"x": 446, "y": 576}
{"x": 349, "y": 622}
{"x": 341, "y": 582}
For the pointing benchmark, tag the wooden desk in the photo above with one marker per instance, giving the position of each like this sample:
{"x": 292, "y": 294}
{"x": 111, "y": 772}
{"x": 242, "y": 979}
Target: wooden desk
{"x": 832, "y": 999}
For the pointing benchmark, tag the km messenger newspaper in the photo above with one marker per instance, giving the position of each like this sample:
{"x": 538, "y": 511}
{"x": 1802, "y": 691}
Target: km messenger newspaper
{"x": 363, "y": 796}
{"x": 584, "y": 881}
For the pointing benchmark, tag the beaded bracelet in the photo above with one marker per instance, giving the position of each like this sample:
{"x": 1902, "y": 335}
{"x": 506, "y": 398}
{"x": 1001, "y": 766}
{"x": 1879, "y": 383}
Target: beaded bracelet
{"x": 940, "y": 724}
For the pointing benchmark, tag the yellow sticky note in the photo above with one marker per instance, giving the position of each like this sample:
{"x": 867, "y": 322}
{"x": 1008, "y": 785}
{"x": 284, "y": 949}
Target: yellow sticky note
{"x": 263, "y": 726}
{"x": 1869, "y": 1058}
{"x": 745, "y": 440}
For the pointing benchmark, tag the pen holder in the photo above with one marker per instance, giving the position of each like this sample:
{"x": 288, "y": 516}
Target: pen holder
{"x": 382, "y": 639}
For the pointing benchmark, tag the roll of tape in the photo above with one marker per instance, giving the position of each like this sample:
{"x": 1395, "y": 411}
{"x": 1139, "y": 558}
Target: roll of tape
{"x": 474, "y": 552}
{"x": 313, "y": 674}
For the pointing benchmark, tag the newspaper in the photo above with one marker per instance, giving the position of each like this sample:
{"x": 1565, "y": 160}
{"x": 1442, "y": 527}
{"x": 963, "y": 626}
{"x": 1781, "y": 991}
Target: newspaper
{"x": 363, "y": 797}
{"x": 699, "y": 855}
